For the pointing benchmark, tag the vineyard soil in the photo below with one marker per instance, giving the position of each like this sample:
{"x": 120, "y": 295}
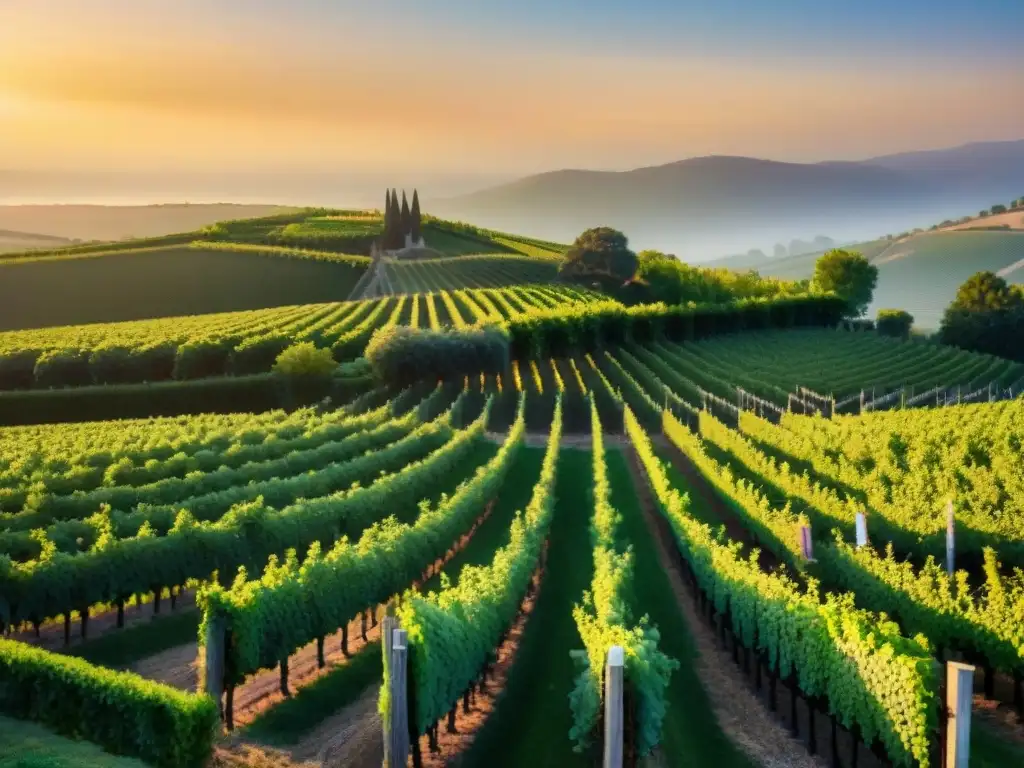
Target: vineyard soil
{"x": 737, "y": 712}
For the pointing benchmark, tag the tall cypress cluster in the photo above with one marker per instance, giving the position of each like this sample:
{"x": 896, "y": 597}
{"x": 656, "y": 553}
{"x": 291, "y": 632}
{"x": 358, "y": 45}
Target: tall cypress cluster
{"x": 400, "y": 220}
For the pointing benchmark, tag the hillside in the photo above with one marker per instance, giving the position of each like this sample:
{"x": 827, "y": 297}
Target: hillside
{"x": 715, "y": 204}
{"x": 120, "y": 222}
{"x": 921, "y": 274}
{"x": 296, "y": 257}
{"x": 11, "y": 240}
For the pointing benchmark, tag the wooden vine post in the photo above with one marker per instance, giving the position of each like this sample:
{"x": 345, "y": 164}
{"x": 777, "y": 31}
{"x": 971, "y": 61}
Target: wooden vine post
{"x": 959, "y": 698}
{"x": 950, "y": 539}
{"x": 396, "y": 718}
{"x": 216, "y": 638}
{"x": 862, "y": 530}
{"x": 613, "y": 707}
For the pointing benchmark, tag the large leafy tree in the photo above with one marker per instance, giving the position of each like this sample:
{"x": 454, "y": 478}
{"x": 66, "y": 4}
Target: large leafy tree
{"x": 987, "y": 315}
{"x": 982, "y": 292}
{"x": 850, "y": 276}
{"x": 600, "y": 255}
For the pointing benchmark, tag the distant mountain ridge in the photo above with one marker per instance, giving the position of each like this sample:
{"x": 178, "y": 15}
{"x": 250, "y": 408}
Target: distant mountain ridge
{"x": 748, "y": 201}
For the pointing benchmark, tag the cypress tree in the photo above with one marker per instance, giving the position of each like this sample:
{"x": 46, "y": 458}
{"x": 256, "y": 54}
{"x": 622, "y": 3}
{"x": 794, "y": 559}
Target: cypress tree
{"x": 414, "y": 215}
{"x": 389, "y": 230}
{"x": 406, "y": 219}
{"x": 396, "y": 216}
{"x": 386, "y": 236}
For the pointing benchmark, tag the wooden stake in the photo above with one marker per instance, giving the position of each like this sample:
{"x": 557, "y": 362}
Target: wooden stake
{"x": 613, "y": 714}
{"x": 397, "y": 725}
{"x": 950, "y": 539}
{"x": 959, "y": 698}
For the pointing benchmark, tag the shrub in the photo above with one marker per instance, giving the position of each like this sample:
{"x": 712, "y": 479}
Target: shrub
{"x": 894, "y": 322}
{"x": 355, "y": 369}
{"x": 305, "y": 359}
{"x": 257, "y": 354}
{"x": 63, "y": 368}
{"x": 120, "y": 711}
{"x": 402, "y": 356}
{"x": 200, "y": 359}
{"x": 18, "y": 371}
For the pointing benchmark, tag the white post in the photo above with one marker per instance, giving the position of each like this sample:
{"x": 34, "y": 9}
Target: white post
{"x": 862, "y": 530}
{"x": 806, "y": 543}
{"x": 950, "y": 538}
{"x": 959, "y": 697}
{"x": 397, "y": 726}
{"x": 613, "y": 714}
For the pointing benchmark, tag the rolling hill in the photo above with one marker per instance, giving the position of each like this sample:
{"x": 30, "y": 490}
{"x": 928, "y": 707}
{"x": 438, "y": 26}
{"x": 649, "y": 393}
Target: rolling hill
{"x": 921, "y": 273}
{"x": 119, "y": 222}
{"x": 295, "y": 257}
{"x": 707, "y": 205}
{"x": 11, "y": 240}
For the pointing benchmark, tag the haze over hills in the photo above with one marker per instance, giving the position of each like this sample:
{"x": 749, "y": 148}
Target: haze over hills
{"x": 703, "y": 207}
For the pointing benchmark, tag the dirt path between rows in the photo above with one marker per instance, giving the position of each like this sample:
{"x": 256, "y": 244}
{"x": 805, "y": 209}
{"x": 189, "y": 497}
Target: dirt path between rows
{"x": 714, "y": 503}
{"x": 483, "y": 699}
{"x": 738, "y": 710}
{"x": 51, "y": 633}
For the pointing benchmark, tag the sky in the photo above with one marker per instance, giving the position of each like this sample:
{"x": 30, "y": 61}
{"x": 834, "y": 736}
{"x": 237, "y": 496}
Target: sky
{"x": 487, "y": 87}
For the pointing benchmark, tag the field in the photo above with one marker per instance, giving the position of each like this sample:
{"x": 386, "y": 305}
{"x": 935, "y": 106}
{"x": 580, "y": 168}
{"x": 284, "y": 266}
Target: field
{"x": 197, "y": 590}
{"x": 247, "y": 342}
{"x": 294, "y": 257}
{"x": 802, "y": 267}
{"x": 922, "y": 273}
{"x": 102, "y": 222}
{"x": 20, "y": 241}
{"x": 162, "y": 282}
{"x": 947, "y": 259}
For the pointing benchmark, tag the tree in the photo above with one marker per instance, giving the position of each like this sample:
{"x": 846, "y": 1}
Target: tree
{"x": 386, "y": 236}
{"x": 997, "y": 209}
{"x": 984, "y": 291}
{"x": 894, "y": 322}
{"x": 600, "y": 255}
{"x": 780, "y": 251}
{"x": 983, "y": 214}
{"x": 405, "y": 219}
{"x": 987, "y": 315}
{"x": 416, "y": 224}
{"x": 850, "y": 276}
{"x": 396, "y": 239}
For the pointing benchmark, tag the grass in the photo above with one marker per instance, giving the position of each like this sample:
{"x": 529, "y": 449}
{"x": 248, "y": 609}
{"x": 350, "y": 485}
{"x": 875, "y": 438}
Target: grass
{"x": 946, "y": 259}
{"x": 991, "y": 750}
{"x": 27, "y": 745}
{"x": 530, "y": 726}
{"x": 290, "y": 720}
{"x": 162, "y": 282}
{"x": 690, "y": 733}
{"x": 122, "y": 648}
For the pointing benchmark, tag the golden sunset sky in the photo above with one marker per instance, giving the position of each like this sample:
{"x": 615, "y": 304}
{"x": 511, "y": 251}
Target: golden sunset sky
{"x": 457, "y": 86}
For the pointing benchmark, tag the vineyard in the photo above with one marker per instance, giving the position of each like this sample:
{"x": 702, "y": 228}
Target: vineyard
{"x": 727, "y": 534}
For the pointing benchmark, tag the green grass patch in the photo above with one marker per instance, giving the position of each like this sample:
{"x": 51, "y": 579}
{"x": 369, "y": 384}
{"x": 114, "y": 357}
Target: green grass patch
{"x": 27, "y": 745}
{"x": 123, "y": 647}
{"x": 287, "y": 722}
{"x": 990, "y": 749}
{"x": 530, "y": 726}
{"x": 690, "y": 733}
{"x": 163, "y": 282}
